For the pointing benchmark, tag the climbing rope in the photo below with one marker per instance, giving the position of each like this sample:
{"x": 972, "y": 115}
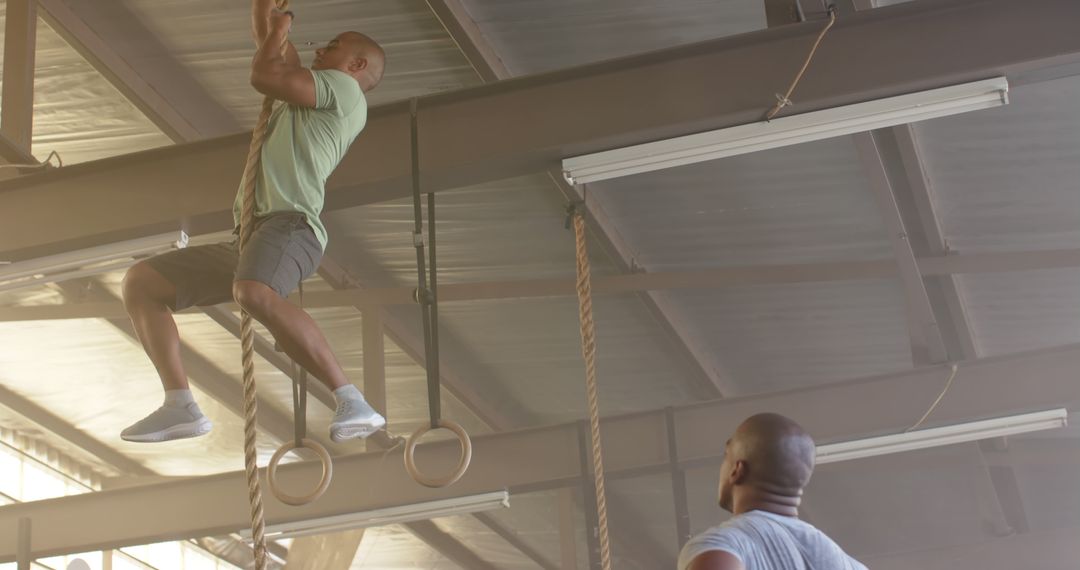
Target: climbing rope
{"x": 427, "y": 296}
{"x": 247, "y": 334}
{"x": 588, "y": 350}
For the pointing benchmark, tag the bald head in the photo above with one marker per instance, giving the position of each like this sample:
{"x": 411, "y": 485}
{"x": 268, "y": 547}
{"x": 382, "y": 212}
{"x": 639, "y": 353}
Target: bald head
{"x": 355, "y": 54}
{"x": 370, "y": 51}
{"x": 769, "y": 455}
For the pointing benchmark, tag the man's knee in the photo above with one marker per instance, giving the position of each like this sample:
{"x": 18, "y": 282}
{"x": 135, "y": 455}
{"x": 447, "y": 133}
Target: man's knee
{"x": 143, "y": 283}
{"x": 254, "y": 297}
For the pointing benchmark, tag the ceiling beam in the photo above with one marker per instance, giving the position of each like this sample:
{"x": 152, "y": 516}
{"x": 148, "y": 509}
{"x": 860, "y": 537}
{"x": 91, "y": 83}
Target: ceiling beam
{"x": 470, "y": 39}
{"x": 20, "y": 47}
{"x": 927, "y": 345}
{"x": 548, "y": 457}
{"x": 782, "y": 12}
{"x": 402, "y": 335}
{"x": 591, "y": 108}
{"x": 448, "y": 546}
{"x": 128, "y": 55}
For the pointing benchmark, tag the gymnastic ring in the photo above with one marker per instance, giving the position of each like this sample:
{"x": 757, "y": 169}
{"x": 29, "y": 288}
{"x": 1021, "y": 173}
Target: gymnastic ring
{"x": 463, "y": 462}
{"x": 327, "y": 472}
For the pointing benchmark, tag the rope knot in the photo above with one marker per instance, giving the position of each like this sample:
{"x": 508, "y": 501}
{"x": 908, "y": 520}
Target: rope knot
{"x": 571, "y": 211}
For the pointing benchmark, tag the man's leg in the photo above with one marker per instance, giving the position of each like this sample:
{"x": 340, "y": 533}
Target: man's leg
{"x": 147, "y": 297}
{"x": 152, "y": 289}
{"x": 294, "y": 330}
{"x": 302, "y": 340}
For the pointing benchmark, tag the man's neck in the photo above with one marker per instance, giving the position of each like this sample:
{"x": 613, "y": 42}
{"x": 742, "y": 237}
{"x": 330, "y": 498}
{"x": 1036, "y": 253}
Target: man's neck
{"x": 778, "y": 504}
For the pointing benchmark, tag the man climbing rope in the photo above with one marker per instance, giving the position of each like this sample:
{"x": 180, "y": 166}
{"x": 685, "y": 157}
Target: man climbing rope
{"x": 323, "y": 110}
{"x": 767, "y": 463}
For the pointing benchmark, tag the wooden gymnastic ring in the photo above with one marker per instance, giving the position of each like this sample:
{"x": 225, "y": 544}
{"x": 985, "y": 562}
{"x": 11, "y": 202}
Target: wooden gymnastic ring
{"x": 327, "y": 473}
{"x": 463, "y": 462}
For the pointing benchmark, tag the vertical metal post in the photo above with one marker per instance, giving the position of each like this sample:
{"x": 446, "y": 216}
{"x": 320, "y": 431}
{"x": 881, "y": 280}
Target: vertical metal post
{"x": 588, "y": 491}
{"x": 22, "y": 548}
{"x": 374, "y": 364}
{"x": 20, "y": 38}
{"x": 678, "y": 481}
{"x": 567, "y": 529}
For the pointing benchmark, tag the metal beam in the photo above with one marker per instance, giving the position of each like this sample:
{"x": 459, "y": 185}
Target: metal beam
{"x": 927, "y": 345}
{"x": 547, "y": 457}
{"x": 363, "y": 299}
{"x": 568, "y": 529}
{"x": 11, "y": 153}
{"x": 586, "y": 109}
{"x": 113, "y": 40}
{"x": 930, "y": 240}
{"x": 20, "y": 47}
{"x": 782, "y": 12}
{"x": 470, "y": 39}
{"x": 514, "y": 540}
{"x": 448, "y": 546}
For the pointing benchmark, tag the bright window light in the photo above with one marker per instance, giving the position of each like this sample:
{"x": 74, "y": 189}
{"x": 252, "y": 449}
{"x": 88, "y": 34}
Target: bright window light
{"x": 786, "y": 131}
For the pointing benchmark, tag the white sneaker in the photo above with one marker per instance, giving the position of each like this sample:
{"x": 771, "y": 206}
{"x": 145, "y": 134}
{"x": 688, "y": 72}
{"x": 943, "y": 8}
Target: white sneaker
{"x": 353, "y": 419}
{"x": 168, "y": 423}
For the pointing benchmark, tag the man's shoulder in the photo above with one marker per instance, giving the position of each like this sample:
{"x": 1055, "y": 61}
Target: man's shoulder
{"x": 338, "y": 91}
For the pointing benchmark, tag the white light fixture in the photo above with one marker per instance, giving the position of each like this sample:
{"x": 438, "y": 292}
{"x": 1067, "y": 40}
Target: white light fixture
{"x": 786, "y": 131}
{"x": 947, "y": 435}
{"x": 89, "y": 261}
{"x": 391, "y": 515}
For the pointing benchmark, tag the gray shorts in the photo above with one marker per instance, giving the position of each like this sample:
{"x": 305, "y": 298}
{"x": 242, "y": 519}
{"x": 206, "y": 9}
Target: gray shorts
{"x": 282, "y": 252}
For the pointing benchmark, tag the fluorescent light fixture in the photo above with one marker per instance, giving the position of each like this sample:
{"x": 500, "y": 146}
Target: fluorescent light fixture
{"x": 947, "y": 435}
{"x": 83, "y": 262}
{"x": 786, "y": 131}
{"x": 391, "y": 515}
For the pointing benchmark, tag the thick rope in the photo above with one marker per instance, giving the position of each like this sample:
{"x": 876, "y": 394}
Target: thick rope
{"x": 247, "y": 335}
{"x": 588, "y": 350}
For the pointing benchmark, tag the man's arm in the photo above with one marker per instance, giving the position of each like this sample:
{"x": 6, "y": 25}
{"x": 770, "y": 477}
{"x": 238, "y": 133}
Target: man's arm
{"x": 274, "y": 75}
{"x": 716, "y": 560}
{"x": 260, "y": 27}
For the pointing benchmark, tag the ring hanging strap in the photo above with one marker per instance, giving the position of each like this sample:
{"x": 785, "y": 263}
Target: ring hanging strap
{"x": 427, "y": 297}
{"x": 426, "y": 284}
{"x": 300, "y": 391}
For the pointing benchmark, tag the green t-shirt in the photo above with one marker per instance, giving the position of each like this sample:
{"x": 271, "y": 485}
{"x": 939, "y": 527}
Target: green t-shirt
{"x": 303, "y": 147}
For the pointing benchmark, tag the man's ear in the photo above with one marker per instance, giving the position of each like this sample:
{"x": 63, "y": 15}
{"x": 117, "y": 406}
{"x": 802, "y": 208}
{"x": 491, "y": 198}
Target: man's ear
{"x": 739, "y": 472}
